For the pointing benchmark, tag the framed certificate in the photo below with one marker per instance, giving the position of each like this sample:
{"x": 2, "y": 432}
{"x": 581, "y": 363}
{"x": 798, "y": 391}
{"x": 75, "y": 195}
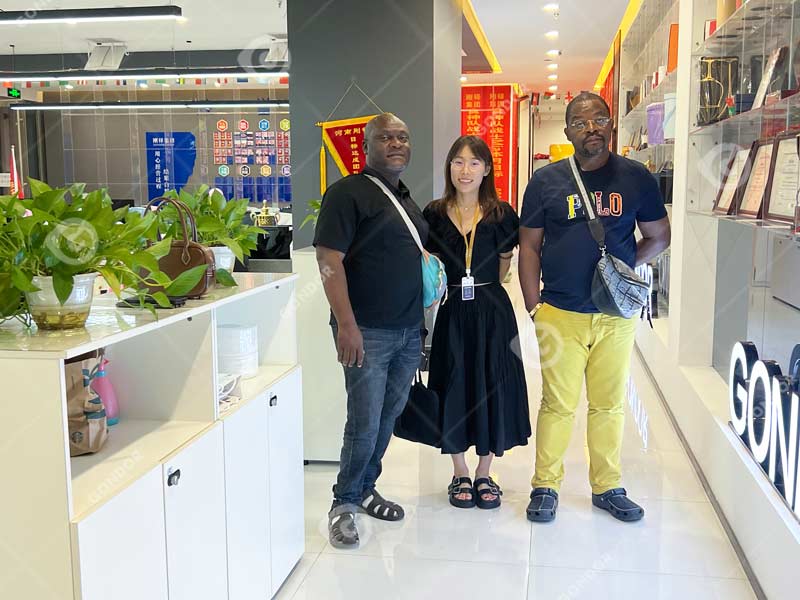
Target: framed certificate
{"x": 731, "y": 183}
{"x": 784, "y": 178}
{"x": 757, "y": 173}
{"x": 774, "y": 74}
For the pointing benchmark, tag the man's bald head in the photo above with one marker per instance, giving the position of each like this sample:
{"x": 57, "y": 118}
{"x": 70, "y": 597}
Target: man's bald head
{"x": 387, "y": 144}
{"x": 381, "y": 121}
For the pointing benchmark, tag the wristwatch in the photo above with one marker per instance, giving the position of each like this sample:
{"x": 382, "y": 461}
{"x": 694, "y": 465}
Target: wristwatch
{"x": 532, "y": 312}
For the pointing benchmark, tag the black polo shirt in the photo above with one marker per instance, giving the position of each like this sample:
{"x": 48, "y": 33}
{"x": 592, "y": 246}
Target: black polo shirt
{"x": 382, "y": 261}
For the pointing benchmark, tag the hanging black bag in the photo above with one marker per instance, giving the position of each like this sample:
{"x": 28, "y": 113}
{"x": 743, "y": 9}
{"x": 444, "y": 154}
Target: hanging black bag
{"x": 419, "y": 421}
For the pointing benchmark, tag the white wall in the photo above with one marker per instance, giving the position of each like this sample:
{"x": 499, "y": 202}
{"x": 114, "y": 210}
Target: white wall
{"x": 548, "y": 129}
{"x": 546, "y": 133}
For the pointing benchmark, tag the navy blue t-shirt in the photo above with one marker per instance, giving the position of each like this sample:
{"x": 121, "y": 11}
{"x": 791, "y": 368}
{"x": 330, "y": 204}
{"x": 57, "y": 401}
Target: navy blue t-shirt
{"x": 625, "y": 193}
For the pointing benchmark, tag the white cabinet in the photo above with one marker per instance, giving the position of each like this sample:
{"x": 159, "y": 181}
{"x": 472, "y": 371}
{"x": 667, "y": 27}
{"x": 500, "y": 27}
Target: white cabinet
{"x": 324, "y": 397}
{"x": 122, "y": 546}
{"x": 285, "y": 421}
{"x": 247, "y": 501}
{"x": 153, "y": 515}
{"x": 194, "y": 510}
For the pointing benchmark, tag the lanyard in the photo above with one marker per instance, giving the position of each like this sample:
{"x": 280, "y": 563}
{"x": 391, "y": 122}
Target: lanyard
{"x": 469, "y": 243}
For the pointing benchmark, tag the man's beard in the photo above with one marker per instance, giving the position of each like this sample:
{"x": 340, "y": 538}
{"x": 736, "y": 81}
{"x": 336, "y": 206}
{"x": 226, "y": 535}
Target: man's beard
{"x": 587, "y": 153}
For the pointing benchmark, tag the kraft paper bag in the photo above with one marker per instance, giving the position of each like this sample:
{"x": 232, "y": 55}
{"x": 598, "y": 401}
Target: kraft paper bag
{"x": 86, "y": 417}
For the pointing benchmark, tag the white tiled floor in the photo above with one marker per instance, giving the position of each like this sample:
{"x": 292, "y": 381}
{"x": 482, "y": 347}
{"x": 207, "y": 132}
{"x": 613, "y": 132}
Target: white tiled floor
{"x": 679, "y": 550}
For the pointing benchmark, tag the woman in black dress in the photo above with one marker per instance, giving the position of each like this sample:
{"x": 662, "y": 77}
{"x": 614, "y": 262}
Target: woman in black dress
{"x": 474, "y": 367}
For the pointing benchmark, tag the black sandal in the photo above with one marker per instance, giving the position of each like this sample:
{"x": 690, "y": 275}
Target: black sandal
{"x": 492, "y": 489}
{"x": 379, "y": 507}
{"x": 342, "y": 530}
{"x": 461, "y": 485}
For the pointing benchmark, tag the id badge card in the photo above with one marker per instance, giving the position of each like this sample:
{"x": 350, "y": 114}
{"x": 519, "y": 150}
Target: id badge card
{"x": 468, "y": 288}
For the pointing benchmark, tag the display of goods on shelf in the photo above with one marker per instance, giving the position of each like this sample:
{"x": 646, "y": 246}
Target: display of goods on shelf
{"x": 719, "y": 81}
{"x": 775, "y": 76}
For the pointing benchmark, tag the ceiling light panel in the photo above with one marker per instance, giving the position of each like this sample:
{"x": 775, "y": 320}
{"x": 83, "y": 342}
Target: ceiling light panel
{"x": 23, "y": 18}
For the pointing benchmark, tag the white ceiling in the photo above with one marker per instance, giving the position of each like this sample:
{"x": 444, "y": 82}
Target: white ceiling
{"x": 516, "y": 28}
{"x": 209, "y": 24}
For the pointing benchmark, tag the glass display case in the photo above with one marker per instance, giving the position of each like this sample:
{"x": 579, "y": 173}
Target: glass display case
{"x": 646, "y": 131}
{"x": 744, "y": 171}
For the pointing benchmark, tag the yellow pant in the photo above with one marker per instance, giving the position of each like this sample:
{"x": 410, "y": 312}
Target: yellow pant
{"x": 573, "y": 345}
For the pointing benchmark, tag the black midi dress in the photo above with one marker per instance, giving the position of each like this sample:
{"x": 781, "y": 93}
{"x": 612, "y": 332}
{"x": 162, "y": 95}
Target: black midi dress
{"x": 475, "y": 364}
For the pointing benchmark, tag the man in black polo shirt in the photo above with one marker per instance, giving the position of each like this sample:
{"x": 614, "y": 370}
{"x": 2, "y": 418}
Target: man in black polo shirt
{"x": 370, "y": 268}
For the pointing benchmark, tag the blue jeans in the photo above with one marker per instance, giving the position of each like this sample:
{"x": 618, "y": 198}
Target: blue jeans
{"x": 376, "y": 395}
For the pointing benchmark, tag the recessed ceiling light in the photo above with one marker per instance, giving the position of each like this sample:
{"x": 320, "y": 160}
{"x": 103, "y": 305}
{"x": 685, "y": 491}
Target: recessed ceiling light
{"x": 553, "y": 77}
{"x": 553, "y": 88}
{"x": 554, "y": 52}
{"x": 551, "y": 35}
{"x": 552, "y": 67}
{"x": 552, "y": 7}
{"x": 463, "y": 78}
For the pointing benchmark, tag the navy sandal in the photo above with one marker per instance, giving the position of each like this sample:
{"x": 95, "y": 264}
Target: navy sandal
{"x": 543, "y": 505}
{"x": 621, "y": 507}
{"x": 493, "y": 489}
{"x": 461, "y": 485}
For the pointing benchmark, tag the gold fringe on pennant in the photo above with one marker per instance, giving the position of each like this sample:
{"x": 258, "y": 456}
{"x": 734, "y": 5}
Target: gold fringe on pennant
{"x": 323, "y": 170}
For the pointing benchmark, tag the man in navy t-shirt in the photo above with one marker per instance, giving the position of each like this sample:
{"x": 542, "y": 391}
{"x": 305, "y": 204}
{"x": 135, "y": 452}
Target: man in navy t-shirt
{"x": 576, "y": 341}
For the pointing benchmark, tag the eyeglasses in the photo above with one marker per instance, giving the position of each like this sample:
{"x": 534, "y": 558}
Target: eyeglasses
{"x": 473, "y": 165}
{"x": 402, "y": 138}
{"x": 581, "y": 124}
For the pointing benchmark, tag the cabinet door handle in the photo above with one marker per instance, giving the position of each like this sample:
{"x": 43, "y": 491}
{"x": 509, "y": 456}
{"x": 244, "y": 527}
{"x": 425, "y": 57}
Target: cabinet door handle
{"x": 273, "y": 400}
{"x": 174, "y": 478}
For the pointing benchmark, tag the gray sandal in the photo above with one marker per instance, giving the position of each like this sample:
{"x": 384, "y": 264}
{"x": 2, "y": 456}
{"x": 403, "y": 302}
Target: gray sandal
{"x": 342, "y": 530}
{"x": 379, "y": 507}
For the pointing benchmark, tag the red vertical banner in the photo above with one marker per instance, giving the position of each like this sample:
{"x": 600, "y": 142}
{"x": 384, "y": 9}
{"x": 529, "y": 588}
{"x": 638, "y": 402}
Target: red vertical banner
{"x": 487, "y": 112}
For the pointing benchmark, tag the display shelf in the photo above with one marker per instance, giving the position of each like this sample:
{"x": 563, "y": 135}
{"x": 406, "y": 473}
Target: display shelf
{"x": 645, "y": 38}
{"x": 637, "y": 117}
{"x": 746, "y": 28}
{"x": 108, "y": 324}
{"x": 133, "y": 448}
{"x": 766, "y": 120}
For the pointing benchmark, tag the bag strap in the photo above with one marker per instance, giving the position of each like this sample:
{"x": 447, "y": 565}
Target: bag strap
{"x": 189, "y": 215}
{"x": 411, "y": 228}
{"x": 595, "y": 225}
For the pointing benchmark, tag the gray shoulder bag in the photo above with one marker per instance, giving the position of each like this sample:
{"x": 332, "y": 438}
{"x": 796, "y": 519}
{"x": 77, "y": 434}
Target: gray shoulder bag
{"x": 616, "y": 288}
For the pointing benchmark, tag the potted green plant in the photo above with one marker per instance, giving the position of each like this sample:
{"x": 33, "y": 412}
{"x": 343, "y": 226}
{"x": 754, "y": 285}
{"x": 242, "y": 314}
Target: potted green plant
{"x": 54, "y": 244}
{"x": 221, "y": 225}
{"x": 311, "y": 217}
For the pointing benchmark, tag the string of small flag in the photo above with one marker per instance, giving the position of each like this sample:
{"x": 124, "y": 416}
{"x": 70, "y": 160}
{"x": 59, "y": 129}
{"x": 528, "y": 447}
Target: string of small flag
{"x": 182, "y": 81}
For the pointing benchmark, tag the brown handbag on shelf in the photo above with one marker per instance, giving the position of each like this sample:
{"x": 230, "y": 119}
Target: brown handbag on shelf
{"x": 185, "y": 253}
{"x": 87, "y": 423}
